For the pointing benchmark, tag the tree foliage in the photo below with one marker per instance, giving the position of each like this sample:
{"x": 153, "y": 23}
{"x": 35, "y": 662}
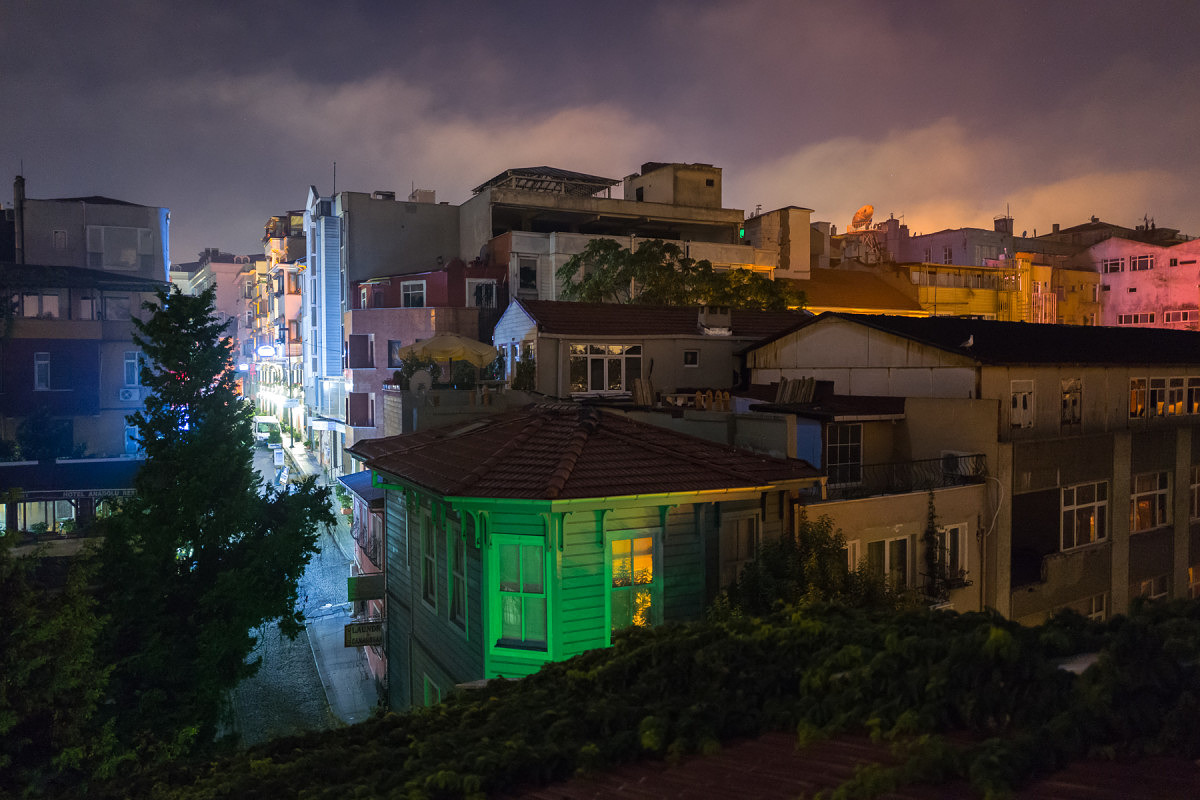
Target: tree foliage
{"x": 975, "y": 697}
{"x": 659, "y": 273}
{"x": 806, "y": 567}
{"x": 203, "y": 554}
{"x": 52, "y": 683}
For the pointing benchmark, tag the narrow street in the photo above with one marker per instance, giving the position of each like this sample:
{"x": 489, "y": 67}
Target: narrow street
{"x": 288, "y": 695}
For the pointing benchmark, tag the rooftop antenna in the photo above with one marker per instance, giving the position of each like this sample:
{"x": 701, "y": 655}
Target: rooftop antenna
{"x": 334, "y": 178}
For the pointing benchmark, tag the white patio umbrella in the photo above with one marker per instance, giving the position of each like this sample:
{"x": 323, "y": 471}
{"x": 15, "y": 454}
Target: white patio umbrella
{"x": 450, "y": 346}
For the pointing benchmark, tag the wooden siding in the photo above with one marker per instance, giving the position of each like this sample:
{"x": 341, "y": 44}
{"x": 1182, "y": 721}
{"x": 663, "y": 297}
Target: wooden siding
{"x": 421, "y": 640}
{"x": 399, "y": 601}
{"x": 440, "y": 648}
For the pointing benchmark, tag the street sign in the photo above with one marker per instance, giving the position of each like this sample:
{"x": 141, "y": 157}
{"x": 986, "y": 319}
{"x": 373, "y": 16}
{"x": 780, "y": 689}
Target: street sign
{"x": 365, "y": 587}
{"x": 361, "y": 634}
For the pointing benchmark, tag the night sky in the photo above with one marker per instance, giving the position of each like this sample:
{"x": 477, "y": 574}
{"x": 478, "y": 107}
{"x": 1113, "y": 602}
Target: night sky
{"x": 941, "y": 113}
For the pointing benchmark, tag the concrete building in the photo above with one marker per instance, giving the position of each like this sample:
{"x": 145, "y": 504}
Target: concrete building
{"x": 352, "y": 237}
{"x": 1082, "y": 421}
{"x": 605, "y": 349}
{"x": 94, "y": 232}
{"x": 1145, "y": 284}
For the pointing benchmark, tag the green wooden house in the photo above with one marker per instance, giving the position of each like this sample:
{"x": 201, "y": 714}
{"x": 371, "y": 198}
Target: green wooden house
{"x": 532, "y": 535}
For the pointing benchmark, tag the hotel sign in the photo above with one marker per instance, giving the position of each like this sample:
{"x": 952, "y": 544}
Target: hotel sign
{"x": 362, "y": 634}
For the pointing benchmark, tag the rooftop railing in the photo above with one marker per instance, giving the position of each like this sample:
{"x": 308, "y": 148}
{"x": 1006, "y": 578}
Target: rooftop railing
{"x": 849, "y": 481}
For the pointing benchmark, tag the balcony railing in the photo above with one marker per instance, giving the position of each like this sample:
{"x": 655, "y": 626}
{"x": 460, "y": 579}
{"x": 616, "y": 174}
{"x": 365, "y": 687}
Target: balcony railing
{"x": 868, "y": 480}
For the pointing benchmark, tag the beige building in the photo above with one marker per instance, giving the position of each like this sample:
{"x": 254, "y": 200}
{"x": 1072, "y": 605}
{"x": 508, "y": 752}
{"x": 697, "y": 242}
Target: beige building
{"x": 1086, "y": 420}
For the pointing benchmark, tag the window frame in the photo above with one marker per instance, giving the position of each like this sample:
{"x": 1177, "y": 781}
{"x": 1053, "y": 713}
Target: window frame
{"x": 846, "y": 468}
{"x": 133, "y": 359}
{"x": 1071, "y": 504}
{"x": 1138, "y": 398}
{"x": 1072, "y": 401}
{"x": 585, "y": 355}
{"x": 886, "y": 568}
{"x": 956, "y": 568}
{"x": 428, "y": 561}
{"x": 472, "y": 284}
{"x": 1022, "y": 407}
{"x": 694, "y": 356}
{"x": 41, "y": 371}
{"x": 1194, "y": 493}
{"x": 527, "y": 265}
{"x": 1156, "y": 401}
{"x": 735, "y": 565}
{"x": 456, "y": 567}
{"x": 1157, "y": 587}
{"x": 1154, "y": 489}
{"x": 525, "y": 643}
{"x": 408, "y": 290}
{"x": 653, "y": 586}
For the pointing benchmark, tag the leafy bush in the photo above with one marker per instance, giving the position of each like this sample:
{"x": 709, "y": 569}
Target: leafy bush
{"x": 973, "y": 696}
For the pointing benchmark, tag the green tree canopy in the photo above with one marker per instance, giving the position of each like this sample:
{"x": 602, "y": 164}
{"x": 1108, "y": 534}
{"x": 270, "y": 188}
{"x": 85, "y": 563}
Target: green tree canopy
{"x": 659, "y": 273}
{"x": 52, "y": 683}
{"x": 203, "y": 554}
{"x": 805, "y": 567}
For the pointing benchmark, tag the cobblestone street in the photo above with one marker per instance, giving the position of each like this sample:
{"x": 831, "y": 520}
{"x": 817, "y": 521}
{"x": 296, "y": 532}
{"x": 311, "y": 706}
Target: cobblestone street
{"x": 287, "y": 695}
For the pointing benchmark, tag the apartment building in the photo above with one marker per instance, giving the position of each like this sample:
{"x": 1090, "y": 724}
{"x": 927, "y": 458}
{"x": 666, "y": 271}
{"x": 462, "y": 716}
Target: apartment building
{"x": 1085, "y": 421}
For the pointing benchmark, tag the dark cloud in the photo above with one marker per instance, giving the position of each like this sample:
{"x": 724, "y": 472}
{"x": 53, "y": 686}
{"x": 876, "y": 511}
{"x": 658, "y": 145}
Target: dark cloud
{"x": 943, "y": 112}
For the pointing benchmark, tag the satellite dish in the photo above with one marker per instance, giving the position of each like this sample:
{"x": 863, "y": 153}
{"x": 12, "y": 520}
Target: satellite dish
{"x": 420, "y": 381}
{"x": 862, "y": 218}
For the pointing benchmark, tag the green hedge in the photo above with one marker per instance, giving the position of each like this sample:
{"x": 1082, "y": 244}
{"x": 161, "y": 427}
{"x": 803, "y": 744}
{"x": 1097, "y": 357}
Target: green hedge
{"x": 923, "y": 678}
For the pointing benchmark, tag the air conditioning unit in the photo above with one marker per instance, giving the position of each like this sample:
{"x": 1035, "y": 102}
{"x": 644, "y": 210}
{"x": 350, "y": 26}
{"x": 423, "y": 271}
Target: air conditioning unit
{"x": 127, "y": 395}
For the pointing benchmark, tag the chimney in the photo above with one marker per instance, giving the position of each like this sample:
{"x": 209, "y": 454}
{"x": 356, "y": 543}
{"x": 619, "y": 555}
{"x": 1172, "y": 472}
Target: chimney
{"x": 1055, "y": 228}
{"x": 19, "y": 218}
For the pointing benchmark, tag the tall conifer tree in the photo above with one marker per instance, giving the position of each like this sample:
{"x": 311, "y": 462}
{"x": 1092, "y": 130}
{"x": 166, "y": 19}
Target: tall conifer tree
{"x": 203, "y": 554}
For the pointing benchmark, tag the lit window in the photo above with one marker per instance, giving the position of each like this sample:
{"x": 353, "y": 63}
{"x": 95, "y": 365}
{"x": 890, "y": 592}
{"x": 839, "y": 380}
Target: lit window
{"x": 1084, "y": 515}
{"x": 1152, "y": 588}
{"x": 605, "y": 367}
{"x": 1194, "y": 581}
{"x": 632, "y": 582}
{"x": 1137, "y": 398}
{"x": 843, "y": 454}
{"x": 522, "y": 596}
{"x": 1174, "y": 396}
{"x": 1158, "y": 397}
{"x": 1149, "y": 505}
